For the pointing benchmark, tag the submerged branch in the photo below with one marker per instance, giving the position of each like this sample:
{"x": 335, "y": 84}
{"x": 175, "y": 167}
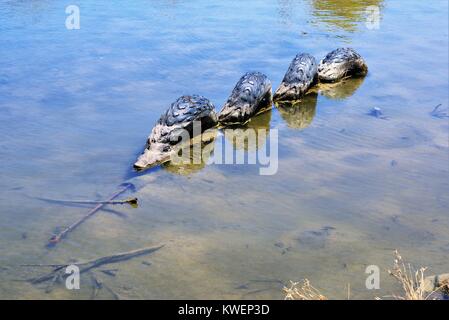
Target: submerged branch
{"x": 131, "y": 201}
{"x": 58, "y": 237}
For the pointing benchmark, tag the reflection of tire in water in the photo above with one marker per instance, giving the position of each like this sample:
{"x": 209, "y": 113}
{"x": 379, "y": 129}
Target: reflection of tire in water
{"x": 248, "y": 137}
{"x": 339, "y": 90}
{"x": 200, "y": 149}
{"x": 299, "y": 114}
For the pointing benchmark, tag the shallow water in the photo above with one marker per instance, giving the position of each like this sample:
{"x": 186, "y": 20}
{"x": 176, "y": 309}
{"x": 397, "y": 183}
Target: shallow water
{"x": 76, "y": 107}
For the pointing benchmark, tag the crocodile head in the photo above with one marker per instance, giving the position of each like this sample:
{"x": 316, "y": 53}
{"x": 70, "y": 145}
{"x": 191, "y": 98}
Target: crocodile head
{"x": 155, "y": 154}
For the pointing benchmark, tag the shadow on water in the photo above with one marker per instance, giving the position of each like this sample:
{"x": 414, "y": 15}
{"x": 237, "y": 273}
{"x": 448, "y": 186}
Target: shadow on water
{"x": 132, "y": 173}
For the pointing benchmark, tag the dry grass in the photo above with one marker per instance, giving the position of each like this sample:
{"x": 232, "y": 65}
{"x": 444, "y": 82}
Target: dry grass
{"x": 413, "y": 282}
{"x": 303, "y": 291}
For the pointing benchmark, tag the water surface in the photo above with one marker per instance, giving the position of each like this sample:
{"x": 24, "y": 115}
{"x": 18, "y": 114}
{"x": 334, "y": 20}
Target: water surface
{"x": 76, "y": 107}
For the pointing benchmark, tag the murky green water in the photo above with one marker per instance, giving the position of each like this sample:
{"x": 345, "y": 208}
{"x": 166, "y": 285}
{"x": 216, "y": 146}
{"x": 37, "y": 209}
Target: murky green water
{"x": 76, "y": 107}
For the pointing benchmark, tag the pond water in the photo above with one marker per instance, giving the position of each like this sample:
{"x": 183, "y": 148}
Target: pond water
{"x": 77, "y": 105}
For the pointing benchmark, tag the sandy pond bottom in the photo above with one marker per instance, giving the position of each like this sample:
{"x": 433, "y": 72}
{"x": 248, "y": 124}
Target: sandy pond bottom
{"x": 230, "y": 233}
